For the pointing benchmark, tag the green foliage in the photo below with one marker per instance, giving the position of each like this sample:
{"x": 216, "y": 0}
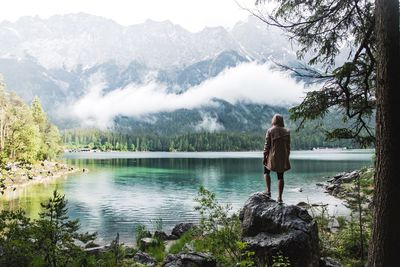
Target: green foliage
{"x": 25, "y": 133}
{"x": 220, "y": 231}
{"x": 349, "y": 242}
{"x": 51, "y": 240}
{"x": 17, "y": 246}
{"x": 157, "y": 247}
{"x": 158, "y": 224}
{"x": 140, "y": 232}
{"x": 321, "y": 29}
{"x": 57, "y": 236}
{"x": 311, "y": 136}
{"x": 279, "y": 260}
{"x": 157, "y": 250}
{"x": 50, "y": 138}
{"x": 180, "y": 244}
{"x": 246, "y": 256}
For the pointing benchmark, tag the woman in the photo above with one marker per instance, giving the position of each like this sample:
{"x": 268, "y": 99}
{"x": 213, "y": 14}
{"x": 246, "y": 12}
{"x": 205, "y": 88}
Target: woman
{"x": 276, "y": 153}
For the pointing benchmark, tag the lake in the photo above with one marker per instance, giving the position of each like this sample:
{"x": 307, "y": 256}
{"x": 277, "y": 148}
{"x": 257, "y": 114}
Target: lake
{"x": 124, "y": 189}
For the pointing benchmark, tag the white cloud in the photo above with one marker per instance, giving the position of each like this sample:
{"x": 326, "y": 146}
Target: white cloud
{"x": 209, "y": 123}
{"x": 248, "y": 82}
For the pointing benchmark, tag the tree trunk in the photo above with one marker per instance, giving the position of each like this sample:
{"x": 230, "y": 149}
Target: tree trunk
{"x": 385, "y": 242}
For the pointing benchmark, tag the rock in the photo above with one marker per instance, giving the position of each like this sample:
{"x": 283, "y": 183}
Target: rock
{"x": 349, "y": 177}
{"x": 333, "y": 225}
{"x": 96, "y": 250}
{"x": 330, "y": 187}
{"x": 146, "y": 242}
{"x": 269, "y": 227}
{"x": 161, "y": 235}
{"x": 320, "y": 184}
{"x": 144, "y": 258}
{"x": 182, "y": 228}
{"x": 318, "y": 205}
{"x": 331, "y": 180}
{"x": 192, "y": 259}
{"x": 329, "y": 262}
{"x": 303, "y": 204}
{"x": 339, "y": 175}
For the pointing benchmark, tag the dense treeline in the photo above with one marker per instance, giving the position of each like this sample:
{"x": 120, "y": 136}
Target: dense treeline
{"x": 198, "y": 141}
{"x": 204, "y": 141}
{"x": 26, "y": 135}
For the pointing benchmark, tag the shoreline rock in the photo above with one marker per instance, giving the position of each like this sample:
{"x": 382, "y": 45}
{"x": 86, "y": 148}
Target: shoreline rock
{"x": 17, "y": 176}
{"x": 270, "y": 227}
{"x": 339, "y": 184}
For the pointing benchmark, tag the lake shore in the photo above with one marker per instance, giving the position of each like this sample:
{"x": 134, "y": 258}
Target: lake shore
{"x": 16, "y": 176}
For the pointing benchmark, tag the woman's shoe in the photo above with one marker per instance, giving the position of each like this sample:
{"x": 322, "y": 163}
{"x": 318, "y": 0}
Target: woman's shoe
{"x": 280, "y": 201}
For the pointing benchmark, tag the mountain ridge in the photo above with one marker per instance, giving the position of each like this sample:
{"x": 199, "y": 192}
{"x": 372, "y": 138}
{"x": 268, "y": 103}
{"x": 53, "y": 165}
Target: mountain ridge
{"x": 57, "y": 58}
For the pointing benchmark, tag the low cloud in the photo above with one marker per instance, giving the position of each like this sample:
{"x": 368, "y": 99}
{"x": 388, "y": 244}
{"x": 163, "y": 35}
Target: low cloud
{"x": 248, "y": 82}
{"x": 209, "y": 123}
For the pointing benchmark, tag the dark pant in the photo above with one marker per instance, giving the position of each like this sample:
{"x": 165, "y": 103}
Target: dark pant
{"x": 280, "y": 174}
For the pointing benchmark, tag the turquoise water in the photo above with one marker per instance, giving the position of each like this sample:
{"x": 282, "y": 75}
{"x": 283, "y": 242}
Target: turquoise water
{"x": 122, "y": 190}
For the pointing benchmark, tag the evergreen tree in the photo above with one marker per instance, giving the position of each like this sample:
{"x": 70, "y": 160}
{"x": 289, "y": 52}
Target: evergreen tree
{"x": 368, "y": 79}
{"x": 57, "y": 235}
{"x": 51, "y": 142}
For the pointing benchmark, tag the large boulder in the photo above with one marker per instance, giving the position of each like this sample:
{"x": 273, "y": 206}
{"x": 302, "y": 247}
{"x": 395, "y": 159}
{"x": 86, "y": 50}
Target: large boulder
{"x": 182, "y": 228}
{"x": 270, "y": 228}
{"x": 191, "y": 259}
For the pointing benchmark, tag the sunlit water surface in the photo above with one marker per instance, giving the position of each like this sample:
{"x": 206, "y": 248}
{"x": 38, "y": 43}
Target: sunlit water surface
{"x": 122, "y": 190}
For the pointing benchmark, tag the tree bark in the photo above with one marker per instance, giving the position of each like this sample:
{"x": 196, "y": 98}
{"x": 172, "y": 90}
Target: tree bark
{"x": 385, "y": 242}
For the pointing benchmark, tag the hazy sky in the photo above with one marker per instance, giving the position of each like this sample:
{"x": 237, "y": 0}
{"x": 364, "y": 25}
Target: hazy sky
{"x": 191, "y": 14}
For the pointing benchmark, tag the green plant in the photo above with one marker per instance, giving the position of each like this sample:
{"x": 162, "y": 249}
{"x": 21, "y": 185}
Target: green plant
{"x": 57, "y": 236}
{"x": 246, "y": 256}
{"x": 140, "y": 232}
{"x": 157, "y": 251}
{"x": 349, "y": 242}
{"x": 157, "y": 247}
{"x": 158, "y": 224}
{"x": 16, "y": 244}
{"x": 179, "y": 244}
{"x": 279, "y": 260}
{"x": 219, "y": 228}
{"x": 53, "y": 240}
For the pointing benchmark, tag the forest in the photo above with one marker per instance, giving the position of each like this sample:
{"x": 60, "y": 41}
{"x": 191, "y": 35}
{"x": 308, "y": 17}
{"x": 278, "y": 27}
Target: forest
{"x": 94, "y": 139}
{"x": 26, "y": 135}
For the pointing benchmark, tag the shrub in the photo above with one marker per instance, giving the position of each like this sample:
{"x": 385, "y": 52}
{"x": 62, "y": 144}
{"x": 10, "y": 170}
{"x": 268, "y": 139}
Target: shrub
{"x": 220, "y": 230}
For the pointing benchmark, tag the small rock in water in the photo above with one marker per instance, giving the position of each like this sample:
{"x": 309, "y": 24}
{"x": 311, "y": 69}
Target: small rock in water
{"x": 303, "y": 204}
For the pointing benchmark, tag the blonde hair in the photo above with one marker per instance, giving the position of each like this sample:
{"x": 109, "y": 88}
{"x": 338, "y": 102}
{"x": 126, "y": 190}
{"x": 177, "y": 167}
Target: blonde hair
{"x": 277, "y": 120}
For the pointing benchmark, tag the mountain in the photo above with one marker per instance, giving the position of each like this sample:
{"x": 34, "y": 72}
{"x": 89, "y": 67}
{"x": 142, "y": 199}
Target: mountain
{"x": 58, "y": 58}
{"x": 68, "y": 41}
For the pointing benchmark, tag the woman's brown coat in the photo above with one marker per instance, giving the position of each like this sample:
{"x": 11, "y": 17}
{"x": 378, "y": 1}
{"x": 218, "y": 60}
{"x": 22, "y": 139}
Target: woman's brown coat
{"x": 277, "y": 149}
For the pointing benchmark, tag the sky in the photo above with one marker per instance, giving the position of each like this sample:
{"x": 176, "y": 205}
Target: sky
{"x": 193, "y": 15}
